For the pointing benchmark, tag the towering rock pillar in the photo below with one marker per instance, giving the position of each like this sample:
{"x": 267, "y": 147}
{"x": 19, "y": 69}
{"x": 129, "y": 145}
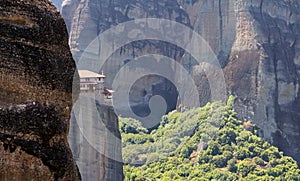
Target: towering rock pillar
{"x": 36, "y": 75}
{"x": 96, "y": 141}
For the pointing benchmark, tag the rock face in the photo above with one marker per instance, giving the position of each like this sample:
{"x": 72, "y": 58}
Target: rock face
{"x": 36, "y": 75}
{"x": 257, "y": 44}
{"x": 87, "y": 19}
{"x": 57, "y": 3}
{"x": 92, "y": 17}
{"x": 68, "y": 10}
{"x": 96, "y": 141}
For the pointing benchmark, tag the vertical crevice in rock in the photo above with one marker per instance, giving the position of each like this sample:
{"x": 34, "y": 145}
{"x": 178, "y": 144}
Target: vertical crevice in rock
{"x": 220, "y": 24}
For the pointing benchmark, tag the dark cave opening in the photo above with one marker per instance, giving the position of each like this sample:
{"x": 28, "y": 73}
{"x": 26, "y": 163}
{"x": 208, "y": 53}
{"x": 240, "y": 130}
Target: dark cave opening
{"x": 148, "y": 86}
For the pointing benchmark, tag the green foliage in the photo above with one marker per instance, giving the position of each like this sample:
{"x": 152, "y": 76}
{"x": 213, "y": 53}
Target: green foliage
{"x": 136, "y": 138}
{"x": 231, "y": 165}
{"x": 219, "y": 161}
{"x": 185, "y": 151}
{"x": 214, "y": 148}
{"x": 129, "y": 125}
{"x": 259, "y": 161}
{"x": 246, "y": 166}
{"x": 207, "y": 143}
{"x": 242, "y": 153}
{"x": 230, "y": 102}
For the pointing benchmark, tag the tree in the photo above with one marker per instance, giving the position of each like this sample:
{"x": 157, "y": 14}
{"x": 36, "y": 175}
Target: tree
{"x": 226, "y": 136}
{"x": 245, "y": 167}
{"x": 185, "y": 152}
{"x": 230, "y": 151}
{"x": 259, "y": 161}
{"x": 219, "y": 161}
{"x": 203, "y": 157}
{"x": 213, "y": 148}
{"x": 242, "y": 153}
{"x": 231, "y": 165}
{"x": 129, "y": 125}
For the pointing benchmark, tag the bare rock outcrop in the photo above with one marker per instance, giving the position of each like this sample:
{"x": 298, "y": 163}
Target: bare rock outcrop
{"x": 95, "y": 140}
{"x": 258, "y": 48}
{"x": 87, "y": 19}
{"x": 36, "y": 76}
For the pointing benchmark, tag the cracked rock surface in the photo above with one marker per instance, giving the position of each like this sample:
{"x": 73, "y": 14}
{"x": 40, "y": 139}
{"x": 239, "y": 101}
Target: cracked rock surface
{"x": 257, "y": 43}
{"x": 36, "y": 75}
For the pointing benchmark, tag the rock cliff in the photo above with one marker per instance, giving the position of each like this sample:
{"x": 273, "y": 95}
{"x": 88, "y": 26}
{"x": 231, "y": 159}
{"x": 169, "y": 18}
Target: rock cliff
{"x": 257, "y": 44}
{"x": 96, "y": 141}
{"x": 57, "y": 4}
{"x": 87, "y": 19}
{"x": 36, "y": 76}
{"x": 255, "y": 41}
{"x": 68, "y": 9}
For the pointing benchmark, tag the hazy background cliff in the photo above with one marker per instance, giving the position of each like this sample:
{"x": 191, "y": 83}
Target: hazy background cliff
{"x": 257, "y": 44}
{"x": 87, "y": 19}
{"x": 57, "y": 4}
{"x": 36, "y": 76}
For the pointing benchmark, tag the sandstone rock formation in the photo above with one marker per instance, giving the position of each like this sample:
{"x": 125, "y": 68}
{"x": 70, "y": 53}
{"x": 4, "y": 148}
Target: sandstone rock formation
{"x": 256, "y": 43}
{"x": 87, "y": 19}
{"x": 96, "y": 141}
{"x": 36, "y": 76}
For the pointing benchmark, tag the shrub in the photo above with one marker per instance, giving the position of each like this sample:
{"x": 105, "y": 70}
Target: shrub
{"x": 259, "y": 161}
{"x": 245, "y": 167}
{"x": 219, "y": 161}
{"x": 213, "y": 148}
{"x": 242, "y": 153}
{"x": 231, "y": 165}
{"x": 203, "y": 157}
{"x": 129, "y": 125}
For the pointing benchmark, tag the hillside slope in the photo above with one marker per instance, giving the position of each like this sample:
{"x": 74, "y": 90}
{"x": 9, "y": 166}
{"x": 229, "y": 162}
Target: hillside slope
{"x": 202, "y": 144}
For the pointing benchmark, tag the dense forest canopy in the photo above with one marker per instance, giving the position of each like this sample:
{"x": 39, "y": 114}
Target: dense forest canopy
{"x": 207, "y": 143}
